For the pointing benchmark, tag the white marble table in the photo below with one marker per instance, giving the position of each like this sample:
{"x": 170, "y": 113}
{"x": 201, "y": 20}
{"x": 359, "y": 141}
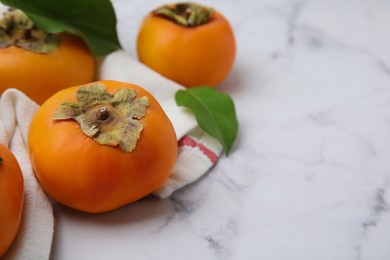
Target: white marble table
{"x": 309, "y": 176}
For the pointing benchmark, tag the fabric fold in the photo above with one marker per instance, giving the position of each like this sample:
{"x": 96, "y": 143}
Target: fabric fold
{"x": 35, "y": 235}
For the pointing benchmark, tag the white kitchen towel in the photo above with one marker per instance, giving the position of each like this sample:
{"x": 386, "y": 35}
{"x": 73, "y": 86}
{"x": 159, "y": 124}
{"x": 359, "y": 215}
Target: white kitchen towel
{"x": 197, "y": 150}
{"x": 36, "y": 231}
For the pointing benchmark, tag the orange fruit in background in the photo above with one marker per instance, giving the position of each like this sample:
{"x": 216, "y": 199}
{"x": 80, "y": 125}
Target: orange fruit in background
{"x": 77, "y": 171}
{"x": 11, "y": 198}
{"x": 191, "y": 56}
{"x": 39, "y": 76}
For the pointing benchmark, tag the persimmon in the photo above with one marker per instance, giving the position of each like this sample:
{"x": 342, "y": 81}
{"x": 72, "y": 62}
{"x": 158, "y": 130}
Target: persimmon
{"x": 99, "y": 146}
{"x": 187, "y": 43}
{"x": 11, "y": 198}
{"x": 40, "y": 64}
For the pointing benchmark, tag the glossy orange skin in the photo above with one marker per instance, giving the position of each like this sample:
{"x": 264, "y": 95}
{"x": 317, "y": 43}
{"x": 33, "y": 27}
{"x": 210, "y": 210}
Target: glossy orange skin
{"x": 11, "y": 198}
{"x": 201, "y": 55}
{"x": 39, "y": 76}
{"x": 82, "y": 174}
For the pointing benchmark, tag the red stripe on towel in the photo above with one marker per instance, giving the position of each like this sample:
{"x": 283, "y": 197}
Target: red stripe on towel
{"x": 188, "y": 141}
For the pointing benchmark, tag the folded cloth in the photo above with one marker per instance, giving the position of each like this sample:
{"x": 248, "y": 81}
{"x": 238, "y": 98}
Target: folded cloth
{"x": 197, "y": 153}
{"x": 36, "y": 230}
{"x": 197, "y": 150}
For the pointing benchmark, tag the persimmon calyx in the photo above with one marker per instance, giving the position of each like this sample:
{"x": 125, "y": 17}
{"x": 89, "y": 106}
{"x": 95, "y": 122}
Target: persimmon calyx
{"x": 1, "y": 161}
{"x": 186, "y": 14}
{"x": 16, "y": 29}
{"x": 109, "y": 119}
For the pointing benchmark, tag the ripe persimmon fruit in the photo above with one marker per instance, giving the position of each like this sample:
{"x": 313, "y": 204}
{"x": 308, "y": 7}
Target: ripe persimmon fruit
{"x": 100, "y": 146}
{"x": 40, "y": 64}
{"x": 11, "y": 198}
{"x": 187, "y": 43}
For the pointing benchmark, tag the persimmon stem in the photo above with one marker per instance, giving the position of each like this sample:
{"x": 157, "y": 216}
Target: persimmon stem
{"x": 110, "y": 119}
{"x": 103, "y": 114}
{"x": 16, "y": 29}
{"x": 1, "y": 161}
{"x": 186, "y": 14}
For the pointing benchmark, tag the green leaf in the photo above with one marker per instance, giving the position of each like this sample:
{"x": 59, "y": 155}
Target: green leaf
{"x": 214, "y": 111}
{"x": 92, "y": 20}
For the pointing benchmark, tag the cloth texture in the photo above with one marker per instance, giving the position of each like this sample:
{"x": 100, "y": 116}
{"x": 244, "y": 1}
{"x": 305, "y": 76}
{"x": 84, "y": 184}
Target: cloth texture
{"x": 197, "y": 150}
{"x": 36, "y": 230}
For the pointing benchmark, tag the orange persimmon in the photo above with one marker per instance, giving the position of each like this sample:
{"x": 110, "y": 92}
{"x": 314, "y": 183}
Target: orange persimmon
{"x": 41, "y": 64}
{"x": 100, "y": 146}
{"x": 11, "y": 198}
{"x": 187, "y": 43}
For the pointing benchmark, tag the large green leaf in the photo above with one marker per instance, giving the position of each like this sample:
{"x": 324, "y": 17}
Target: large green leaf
{"x": 92, "y": 20}
{"x": 214, "y": 111}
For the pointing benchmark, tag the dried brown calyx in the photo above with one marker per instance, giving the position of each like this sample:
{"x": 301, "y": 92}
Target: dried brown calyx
{"x": 16, "y": 29}
{"x": 109, "y": 119}
{"x": 186, "y": 14}
{"x": 1, "y": 161}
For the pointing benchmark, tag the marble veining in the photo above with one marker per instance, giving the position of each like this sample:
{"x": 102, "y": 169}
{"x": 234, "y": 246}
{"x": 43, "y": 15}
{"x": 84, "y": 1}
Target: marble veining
{"x": 309, "y": 176}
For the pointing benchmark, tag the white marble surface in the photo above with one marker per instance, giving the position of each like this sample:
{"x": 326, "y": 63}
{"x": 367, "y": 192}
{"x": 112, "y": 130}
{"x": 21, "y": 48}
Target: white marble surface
{"x": 309, "y": 176}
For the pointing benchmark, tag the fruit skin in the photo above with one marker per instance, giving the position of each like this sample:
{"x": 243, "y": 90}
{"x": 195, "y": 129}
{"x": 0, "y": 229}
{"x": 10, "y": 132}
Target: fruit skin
{"x": 39, "y": 76}
{"x": 191, "y": 56}
{"x": 80, "y": 173}
{"x": 11, "y": 198}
